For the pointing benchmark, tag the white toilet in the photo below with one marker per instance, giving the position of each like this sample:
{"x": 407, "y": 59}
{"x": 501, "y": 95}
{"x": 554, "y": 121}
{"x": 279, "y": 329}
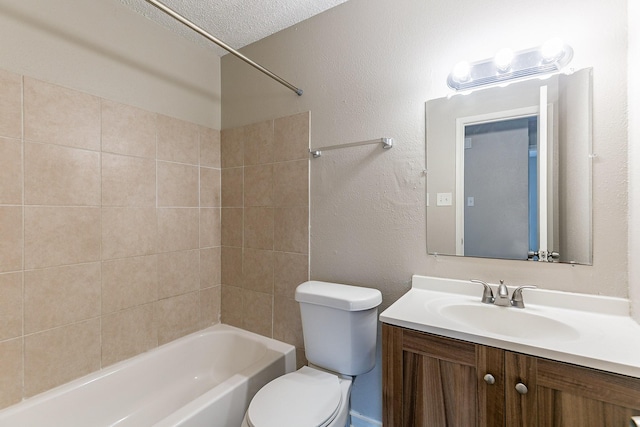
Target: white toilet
{"x": 339, "y": 324}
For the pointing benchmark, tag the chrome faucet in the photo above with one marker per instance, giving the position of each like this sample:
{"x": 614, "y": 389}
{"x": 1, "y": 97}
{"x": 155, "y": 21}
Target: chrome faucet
{"x": 516, "y": 297}
{"x": 487, "y": 295}
{"x": 503, "y": 295}
{"x": 503, "y": 299}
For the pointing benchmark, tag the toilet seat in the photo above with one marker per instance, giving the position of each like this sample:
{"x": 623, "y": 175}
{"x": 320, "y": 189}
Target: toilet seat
{"x": 305, "y": 398}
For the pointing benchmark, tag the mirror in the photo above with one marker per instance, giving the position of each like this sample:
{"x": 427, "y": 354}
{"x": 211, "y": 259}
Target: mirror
{"x": 509, "y": 171}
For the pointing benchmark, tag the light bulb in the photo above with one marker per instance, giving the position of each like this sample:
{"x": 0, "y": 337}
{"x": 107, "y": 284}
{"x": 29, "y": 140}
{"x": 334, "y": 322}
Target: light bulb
{"x": 461, "y": 72}
{"x": 552, "y": 49}
{"x": 503, "y": 59}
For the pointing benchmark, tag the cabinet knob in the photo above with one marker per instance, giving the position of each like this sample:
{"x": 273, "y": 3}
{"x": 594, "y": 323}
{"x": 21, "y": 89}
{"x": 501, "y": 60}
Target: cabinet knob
{"x": 521, "y": 388}
{"x": 489, "y": 379}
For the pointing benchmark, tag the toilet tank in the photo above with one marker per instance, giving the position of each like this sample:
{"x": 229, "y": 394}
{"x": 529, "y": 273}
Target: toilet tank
{"x": 339, "y": 324}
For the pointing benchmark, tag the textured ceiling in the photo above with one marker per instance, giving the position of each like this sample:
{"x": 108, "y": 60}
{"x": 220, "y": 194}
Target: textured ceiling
{"x": 235, "y": 22}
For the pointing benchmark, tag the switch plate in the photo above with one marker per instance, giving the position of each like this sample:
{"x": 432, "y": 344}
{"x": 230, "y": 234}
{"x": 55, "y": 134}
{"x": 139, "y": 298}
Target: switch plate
{"x": 471, "y": 201}
{"x": 443, "y": 199}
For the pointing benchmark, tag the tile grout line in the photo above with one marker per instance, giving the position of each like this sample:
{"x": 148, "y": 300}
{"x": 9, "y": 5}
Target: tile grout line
{"x": 22, "y": 148}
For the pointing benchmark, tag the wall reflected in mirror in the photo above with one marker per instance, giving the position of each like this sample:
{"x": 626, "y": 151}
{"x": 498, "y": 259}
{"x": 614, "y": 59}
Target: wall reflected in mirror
{"x": 509, "y": 171}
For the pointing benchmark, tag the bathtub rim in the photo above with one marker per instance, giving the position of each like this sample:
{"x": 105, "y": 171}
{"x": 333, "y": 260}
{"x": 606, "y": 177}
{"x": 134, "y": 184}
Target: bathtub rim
{"x": 271, "y": 344}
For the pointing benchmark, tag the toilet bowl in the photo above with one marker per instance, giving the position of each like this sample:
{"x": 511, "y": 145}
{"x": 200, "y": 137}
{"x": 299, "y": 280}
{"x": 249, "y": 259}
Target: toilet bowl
{"x": 339, "y": 324}
{"x": 308, "y": 397}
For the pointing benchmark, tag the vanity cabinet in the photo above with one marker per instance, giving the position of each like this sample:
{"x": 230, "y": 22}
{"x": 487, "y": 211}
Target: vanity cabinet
{"x": 433, "y": 381}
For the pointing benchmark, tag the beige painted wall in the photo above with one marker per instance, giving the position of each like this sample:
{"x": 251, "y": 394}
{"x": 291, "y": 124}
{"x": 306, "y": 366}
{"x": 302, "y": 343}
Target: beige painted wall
{"x": 103, "y": 48}
{"x": 366, "y": 68}
{"x": 634, "y": 157}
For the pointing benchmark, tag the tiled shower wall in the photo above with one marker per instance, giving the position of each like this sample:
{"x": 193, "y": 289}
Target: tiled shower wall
{"x": 265, "y": 225}
{"x": 109, "y": 233}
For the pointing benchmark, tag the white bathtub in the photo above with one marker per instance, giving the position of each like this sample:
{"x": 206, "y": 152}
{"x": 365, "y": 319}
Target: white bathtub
{"x": 204, "y": 379}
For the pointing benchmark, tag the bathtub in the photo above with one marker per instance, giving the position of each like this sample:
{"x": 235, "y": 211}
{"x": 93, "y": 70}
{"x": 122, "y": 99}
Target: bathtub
{"x": 204, "y": 379}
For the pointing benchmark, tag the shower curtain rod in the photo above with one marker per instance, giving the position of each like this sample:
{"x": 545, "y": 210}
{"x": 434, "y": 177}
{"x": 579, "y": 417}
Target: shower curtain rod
{"x": 222, "y": 44}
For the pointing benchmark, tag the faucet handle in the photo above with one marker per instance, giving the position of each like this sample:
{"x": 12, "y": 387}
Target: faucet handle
{"x": 516, "y": 297}
{"x": 487, "y": 295}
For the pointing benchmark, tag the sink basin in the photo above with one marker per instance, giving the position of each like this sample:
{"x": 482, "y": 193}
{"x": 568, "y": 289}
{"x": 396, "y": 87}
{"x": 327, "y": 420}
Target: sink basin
{"x": 511, "y": 322}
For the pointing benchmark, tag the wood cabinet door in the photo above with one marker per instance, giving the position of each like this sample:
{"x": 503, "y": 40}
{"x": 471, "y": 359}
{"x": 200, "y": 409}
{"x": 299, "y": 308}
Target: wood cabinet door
{"x": 574, "y": 396}
{"x": 520, "y": 390}
{"x": 491, "y": 386}
{"x": 428, "y": 381}
{"x": 432, "y": 381}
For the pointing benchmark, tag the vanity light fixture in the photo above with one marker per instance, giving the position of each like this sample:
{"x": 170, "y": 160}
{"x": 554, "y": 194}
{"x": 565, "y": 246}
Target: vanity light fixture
{"x": 507, "y": 65}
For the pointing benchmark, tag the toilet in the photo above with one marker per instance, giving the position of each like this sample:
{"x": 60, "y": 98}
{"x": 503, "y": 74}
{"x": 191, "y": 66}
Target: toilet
{"x": 339, "y": 324}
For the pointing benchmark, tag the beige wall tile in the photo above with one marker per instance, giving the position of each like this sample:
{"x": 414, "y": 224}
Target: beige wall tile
{"x": 128, "y": 333}
{"x": 291, "y": 183}
{"x": 177, "y": 316}
{"x": 178, "y": 141}
{"x": 232, "y": 187}
{"x": 257, "y": 268}
{"x": 61, "y": 295}
{"x": 62, "y": 116}
{"x": 231, "y": 223}
{"x": 258, "y": 228}
{"x": 60, "y": 235}
{"x": 129, "y": 282}
{"x": 210, "y": 226}
{"x": 291, "y": 230}
{"x": 178, "y": 229}
{"x": 301, "y": 358}
{"x": 209, "y": 147}
{"x": 210, "y": 188}
{"x": 289, "y": 271}
{"x": 178, "y": 273}
{"x": 258, "y": 143}
{"x": 287, "y": 324}
{"x": 231, "y": 266}
{"x": 10, "y": 104}
{"x": 258, "y": 185}
{"x": 232, "y": 308}
{"x": 60, "y": 355}
{"x": 128, "y": 232}
{"x": 10, "y": 308}
{"x": 210, "y": 306}
{"x": 11, "y": 242}
{"x": 128, "y": 181}
{"x": 128, "y": 130}
{"x": 275, "y": 217}
{"x": 10, "y": 168}
{"x": 291, "y": 137}
{"x": 93, "y": 189}
{"x": 11, "y": 370}
{"x": 61, "y": 176}
{"x": 210, "y": 272}
{"x": 178, "y": 185}
{"x": 232, "y": 147}
{"x": 257, "y": 312}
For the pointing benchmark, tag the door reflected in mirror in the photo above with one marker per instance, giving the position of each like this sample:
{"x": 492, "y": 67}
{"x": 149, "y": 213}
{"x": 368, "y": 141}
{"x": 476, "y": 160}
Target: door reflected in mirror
{"x": 499, "y": 208}
{"x": 509, "y": 171}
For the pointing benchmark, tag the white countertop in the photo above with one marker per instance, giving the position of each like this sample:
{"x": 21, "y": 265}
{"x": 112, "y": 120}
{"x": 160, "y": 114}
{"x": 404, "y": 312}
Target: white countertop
{"x": 607, "y": 338}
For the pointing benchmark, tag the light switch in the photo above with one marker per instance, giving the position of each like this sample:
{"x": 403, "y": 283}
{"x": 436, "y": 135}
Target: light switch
{"x": 471, "y": 201}
{"x": 443, "y": 199}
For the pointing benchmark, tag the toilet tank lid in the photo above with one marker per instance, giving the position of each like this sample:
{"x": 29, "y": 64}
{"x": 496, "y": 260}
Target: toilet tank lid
{"x": 335, "y": 295}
